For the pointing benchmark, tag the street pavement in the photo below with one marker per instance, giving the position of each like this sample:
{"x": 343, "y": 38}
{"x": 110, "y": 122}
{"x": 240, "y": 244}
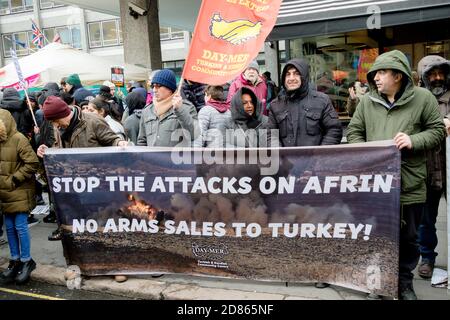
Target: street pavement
{"x": 52, "y": 266}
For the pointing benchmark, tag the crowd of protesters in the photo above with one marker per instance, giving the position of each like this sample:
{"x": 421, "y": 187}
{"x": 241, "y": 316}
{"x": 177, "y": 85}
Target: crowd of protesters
{"x": 249, "y": 112}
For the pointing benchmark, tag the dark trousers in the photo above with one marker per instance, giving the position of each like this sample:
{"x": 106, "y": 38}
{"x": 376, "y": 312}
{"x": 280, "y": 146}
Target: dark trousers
{"x": 409, "y": 246}
{"x": 38, "y": 191}
{"x": 1, "y": 224}
{"x": 427, "y": 231}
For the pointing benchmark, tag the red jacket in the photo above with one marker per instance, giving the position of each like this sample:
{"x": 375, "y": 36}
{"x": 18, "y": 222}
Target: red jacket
{"x": 260, "y": 90}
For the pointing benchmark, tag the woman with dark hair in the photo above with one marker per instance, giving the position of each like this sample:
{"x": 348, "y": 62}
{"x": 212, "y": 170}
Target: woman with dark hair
{"x": 135, "y": 102}
{"x": 103, "y": 109}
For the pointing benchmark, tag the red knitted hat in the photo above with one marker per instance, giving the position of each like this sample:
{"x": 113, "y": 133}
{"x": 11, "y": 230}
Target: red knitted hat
{"x": 55, "y": 109}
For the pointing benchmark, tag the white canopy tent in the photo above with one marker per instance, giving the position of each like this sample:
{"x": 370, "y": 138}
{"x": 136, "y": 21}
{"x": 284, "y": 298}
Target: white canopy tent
{"x": 56, "y": 61}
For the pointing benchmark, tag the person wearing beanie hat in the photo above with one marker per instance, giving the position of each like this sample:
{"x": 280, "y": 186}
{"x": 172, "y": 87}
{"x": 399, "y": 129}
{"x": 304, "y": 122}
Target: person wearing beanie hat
{"x": 77, "y": 129}
{"x": 74, "y": 80}
{"x": 165, "y": 78}
{"x": 75, "y": 88}
{"x": 169, "y": 114}
{"x": 251, "y": 79}
{"x": 253, "y": 65}
{"x": 74, "y": 129}
{"x": 55, "y": 109}
{"x": 105, "y": 92}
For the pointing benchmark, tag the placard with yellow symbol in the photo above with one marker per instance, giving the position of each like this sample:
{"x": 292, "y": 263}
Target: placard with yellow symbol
{"x": 227, "y": 37}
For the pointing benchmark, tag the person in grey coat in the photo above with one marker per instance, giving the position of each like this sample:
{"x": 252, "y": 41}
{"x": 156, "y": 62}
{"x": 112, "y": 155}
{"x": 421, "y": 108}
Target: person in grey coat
{"x": 169, "y": 121}
{"x": 135, "y": 102}
{"x": 212, "y": 118}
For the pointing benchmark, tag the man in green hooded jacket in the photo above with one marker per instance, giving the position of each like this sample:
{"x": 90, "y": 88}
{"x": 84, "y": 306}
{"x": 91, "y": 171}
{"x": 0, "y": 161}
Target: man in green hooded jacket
{"x": 396, "y": 109}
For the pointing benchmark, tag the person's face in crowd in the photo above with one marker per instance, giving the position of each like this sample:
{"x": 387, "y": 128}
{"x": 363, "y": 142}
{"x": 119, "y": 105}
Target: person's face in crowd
{"x": 62, "y": 123}
{"x": 91, "y": 109}
{"x": 85, "y": 108}
{"x": 161, "y": 93}
{"x": 386, "y": 82}
{"x": 207, "y": 97}
{"x": 113, "y": 90}
{"x": 67, "y": 87}
{"x": 437, "y": 81}
{"x": 247, "y": 102}
{"x": 293, "y": 80}
{"x": 63, "y": 86}
{"x": 251, "y": 75}
{"x": 360, "y": 88}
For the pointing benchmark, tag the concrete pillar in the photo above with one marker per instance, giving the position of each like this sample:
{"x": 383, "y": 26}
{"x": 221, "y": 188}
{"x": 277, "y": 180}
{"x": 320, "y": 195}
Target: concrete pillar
{"x": 141, "y": 39}
{"x": 36, "y": 14}
{"x": 83, "y": 31}
{"x": 272, "y": 59}
{"x": 2, "y": 60}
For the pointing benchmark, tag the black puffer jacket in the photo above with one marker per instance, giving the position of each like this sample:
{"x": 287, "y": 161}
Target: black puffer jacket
{"x": 304, "y": 117}
{"x": 195, "y": 93}
{"x": 18, "y": 109}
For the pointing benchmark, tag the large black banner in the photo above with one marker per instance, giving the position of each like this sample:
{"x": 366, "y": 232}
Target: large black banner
{"x": 324, "y": 214}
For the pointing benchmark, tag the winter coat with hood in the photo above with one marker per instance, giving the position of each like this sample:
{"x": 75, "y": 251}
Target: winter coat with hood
{"x": 244, "y": 130}
{"x": 414, "y": 112}
{"x": 18, "y": 109}
{"x": 259, "y": 88}
{"x": 18, "y": 164}
{"x": 135, "y": 102}
{"x": 436, "y": 164}
{"x": 304, "y": 117}
{"x": 212, "y": 119}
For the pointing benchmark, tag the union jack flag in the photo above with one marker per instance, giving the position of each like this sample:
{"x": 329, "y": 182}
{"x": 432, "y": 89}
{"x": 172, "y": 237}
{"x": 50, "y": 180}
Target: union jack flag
{"x": 38, "y": 37}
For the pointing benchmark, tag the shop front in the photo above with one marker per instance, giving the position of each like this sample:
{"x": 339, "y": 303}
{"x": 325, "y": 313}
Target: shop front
{"x": 341, "y": 41}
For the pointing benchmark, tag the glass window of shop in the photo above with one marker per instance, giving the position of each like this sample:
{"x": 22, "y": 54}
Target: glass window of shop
{"x": 337, "y": 61}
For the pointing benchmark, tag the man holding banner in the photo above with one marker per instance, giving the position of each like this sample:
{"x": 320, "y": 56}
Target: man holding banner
{"x": 169, "y": 120}
{"x": 396, "y": 109}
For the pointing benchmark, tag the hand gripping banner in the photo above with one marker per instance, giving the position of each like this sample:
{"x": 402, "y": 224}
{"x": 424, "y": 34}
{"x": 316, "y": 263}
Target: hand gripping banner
{"x": 228, "y": 35}
{"x": 328, "y": 214}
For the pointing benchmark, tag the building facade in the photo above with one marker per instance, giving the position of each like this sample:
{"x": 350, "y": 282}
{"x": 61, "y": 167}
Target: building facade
{"x": 94, "y": 32}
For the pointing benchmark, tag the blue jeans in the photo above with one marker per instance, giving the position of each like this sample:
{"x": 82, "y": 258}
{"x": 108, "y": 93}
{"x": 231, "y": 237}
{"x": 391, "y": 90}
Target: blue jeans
{"x": 427, "y": 231}
{"x": 18, "y": 236}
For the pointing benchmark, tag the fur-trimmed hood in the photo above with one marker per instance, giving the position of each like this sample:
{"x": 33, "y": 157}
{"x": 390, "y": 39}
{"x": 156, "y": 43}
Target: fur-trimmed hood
{"x": 7, "y": 125}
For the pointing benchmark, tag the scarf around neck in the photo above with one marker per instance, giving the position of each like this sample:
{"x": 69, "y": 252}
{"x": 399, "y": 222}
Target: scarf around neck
{"x": 162, "y": 107}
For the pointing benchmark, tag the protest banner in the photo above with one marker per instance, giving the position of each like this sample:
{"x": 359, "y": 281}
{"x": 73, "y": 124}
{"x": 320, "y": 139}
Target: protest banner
{"x": 296, "y": 215}
{"x": 227, "y": 37}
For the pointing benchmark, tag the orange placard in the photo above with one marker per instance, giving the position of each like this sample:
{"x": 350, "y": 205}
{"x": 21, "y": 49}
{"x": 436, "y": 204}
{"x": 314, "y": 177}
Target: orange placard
{"x": 227, "y": 37}
{"x": 366, "y": 61}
